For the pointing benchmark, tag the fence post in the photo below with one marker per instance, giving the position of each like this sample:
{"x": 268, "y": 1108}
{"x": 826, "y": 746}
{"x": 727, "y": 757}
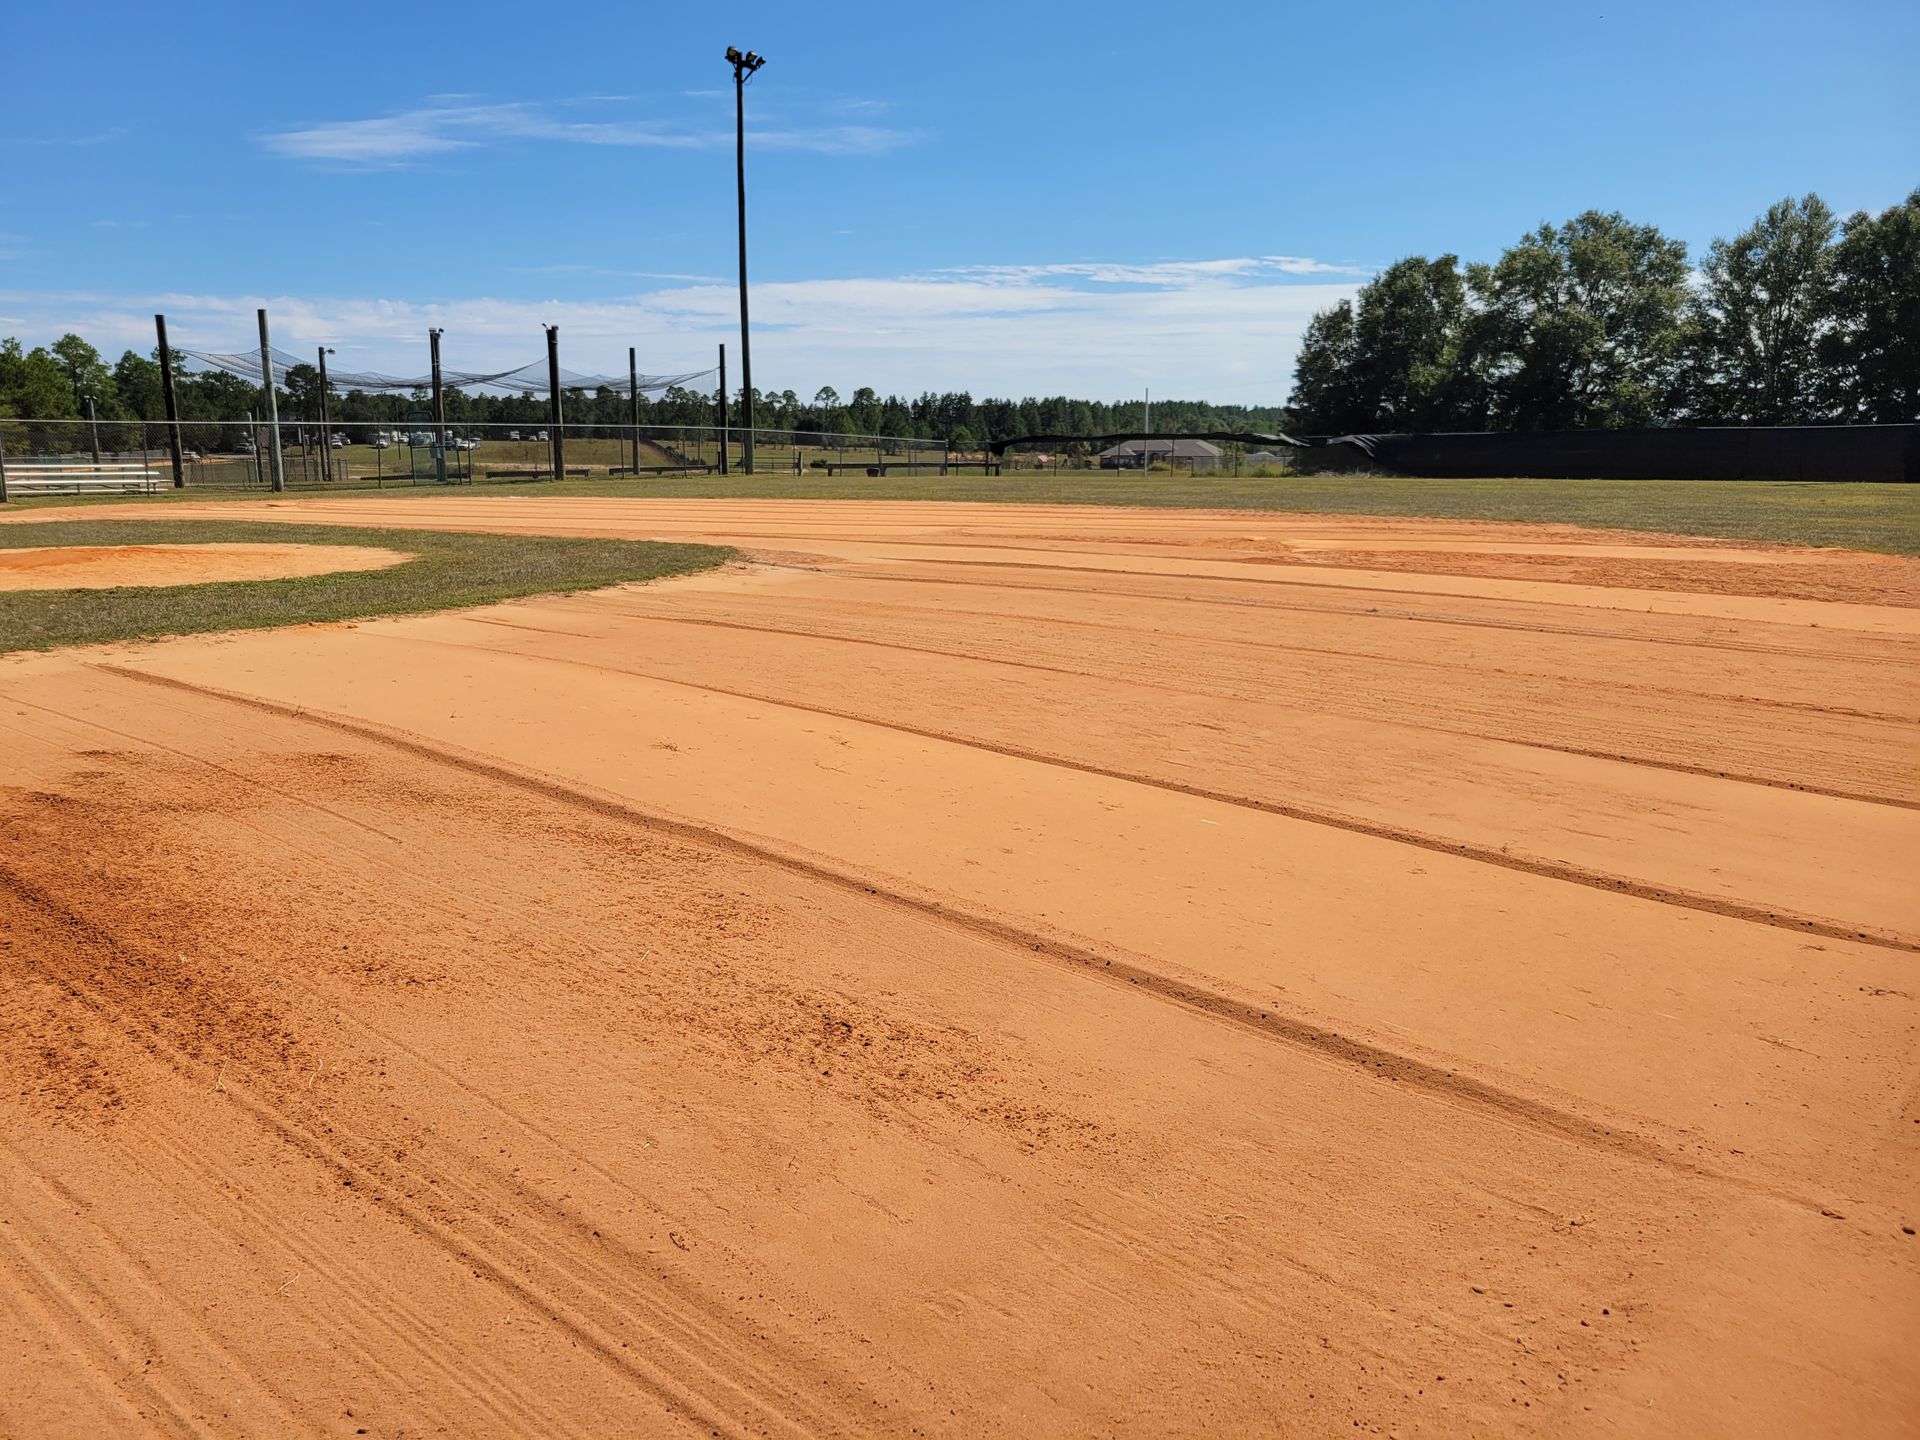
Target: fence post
{"x": 554, "y": 414}
{"x": 93, "y": 434}
{"x": 633, "y": 403}
{"x": 439, "y": 412}
{"x": 172, "y": 405}
{"x": 273, "y": 405}
{"x": 3, "y": 469}
{"x": 723, "y": 410}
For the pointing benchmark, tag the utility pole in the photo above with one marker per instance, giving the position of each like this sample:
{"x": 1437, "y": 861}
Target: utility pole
{"x": 273, "y": 404}
{"x": 172, "y": 404}
{"x": 723, "y": 409}
{"x": 633, "y": 403}
{"x": 744, "y": 66}
{"x": 555, "y": 438}
{"x": 326, "y": 418}
{"x": 439, "y": 410}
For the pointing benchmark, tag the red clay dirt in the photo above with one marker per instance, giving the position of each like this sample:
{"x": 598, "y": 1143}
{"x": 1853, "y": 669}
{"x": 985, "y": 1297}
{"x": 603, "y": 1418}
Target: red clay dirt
{"x": 971, "y": 969}
{"x": 106, "y": 567}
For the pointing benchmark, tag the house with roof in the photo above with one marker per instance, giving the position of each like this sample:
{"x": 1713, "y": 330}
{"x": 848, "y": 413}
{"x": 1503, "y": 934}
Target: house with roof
{"x": 1184, "y": 454}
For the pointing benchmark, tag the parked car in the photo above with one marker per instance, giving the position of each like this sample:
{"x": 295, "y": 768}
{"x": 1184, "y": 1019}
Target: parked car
{"x": 382, "y": 442}
{"x": 338, "y": 442}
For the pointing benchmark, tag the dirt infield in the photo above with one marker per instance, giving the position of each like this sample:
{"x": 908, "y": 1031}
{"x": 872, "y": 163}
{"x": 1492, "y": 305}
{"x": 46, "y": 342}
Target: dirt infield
{"x": 102, "y": 567}
{"x": 975, "y": 970}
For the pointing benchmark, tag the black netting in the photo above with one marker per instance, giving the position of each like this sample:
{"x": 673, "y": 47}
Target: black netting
{"x": 529, "y": 379}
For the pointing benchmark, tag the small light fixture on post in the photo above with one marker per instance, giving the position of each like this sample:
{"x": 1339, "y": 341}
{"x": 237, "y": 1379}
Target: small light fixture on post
{"x": 744, "y": 68}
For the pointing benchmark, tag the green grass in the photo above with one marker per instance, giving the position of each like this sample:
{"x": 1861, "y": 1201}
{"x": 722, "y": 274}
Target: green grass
{"x": 1862, "y": 517}
{"x": 449, "y": 570}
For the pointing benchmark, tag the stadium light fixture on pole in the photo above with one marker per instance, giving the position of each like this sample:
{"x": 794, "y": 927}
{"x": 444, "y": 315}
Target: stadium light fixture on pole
{"x": 172, "y": 403}
{"x": 439, "y": 409}
{"x": 273, "y": 404}
{"x": 744, "y": 68}
{"x": 326, "y": 417}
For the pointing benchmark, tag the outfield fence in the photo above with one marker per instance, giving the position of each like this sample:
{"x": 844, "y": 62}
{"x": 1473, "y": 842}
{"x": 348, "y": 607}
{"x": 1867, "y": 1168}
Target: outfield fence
{"x": 78, "y": 456}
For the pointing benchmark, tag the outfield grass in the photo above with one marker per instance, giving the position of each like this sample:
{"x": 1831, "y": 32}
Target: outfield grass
{"x": 1861, "y": 517}
{"x": 449, "y": 570}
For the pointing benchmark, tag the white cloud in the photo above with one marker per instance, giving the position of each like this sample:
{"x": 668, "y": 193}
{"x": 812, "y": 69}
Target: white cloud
{"x": 1224, "y": 330}
{"x": 436, "y": 129}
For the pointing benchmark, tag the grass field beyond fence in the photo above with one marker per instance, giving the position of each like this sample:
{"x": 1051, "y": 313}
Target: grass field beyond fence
{"x": 1861, "y": 517}
{"x": 447, "y": 571}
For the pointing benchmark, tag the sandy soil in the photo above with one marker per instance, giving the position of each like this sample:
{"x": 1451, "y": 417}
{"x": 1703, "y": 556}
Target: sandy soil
{"x": 979, "y": 970}
{"x": 106, "y": 567}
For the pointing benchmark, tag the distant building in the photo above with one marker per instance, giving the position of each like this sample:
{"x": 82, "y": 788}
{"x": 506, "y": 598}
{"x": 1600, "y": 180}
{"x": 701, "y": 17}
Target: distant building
{"x": 1137, "y": 454}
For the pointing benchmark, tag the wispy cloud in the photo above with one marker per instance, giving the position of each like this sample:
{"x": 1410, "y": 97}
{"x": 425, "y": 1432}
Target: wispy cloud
{"x": 1161, "y": 274}
{"x": 97, "y": 138}
{"x": 1221, "y": 329}
{"x": 409, "y": 136}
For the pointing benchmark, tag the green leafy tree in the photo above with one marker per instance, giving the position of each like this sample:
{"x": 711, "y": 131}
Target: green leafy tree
{"x": 85, "y": 371}
{"x": 34, "y": 384}
{"x": 1760, "y": 316}
{"x": 1872, "y": 349}
{"x": 1407, "y": 336}
{"x": 1326, "y": 385}
{"x": 1580, "y": 325}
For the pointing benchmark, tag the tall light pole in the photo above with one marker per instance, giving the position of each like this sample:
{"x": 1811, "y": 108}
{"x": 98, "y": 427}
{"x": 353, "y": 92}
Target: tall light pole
{"x": 744, "y": 67}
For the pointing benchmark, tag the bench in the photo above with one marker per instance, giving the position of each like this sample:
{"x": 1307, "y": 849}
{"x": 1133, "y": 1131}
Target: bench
{"x": 64, "y": 477}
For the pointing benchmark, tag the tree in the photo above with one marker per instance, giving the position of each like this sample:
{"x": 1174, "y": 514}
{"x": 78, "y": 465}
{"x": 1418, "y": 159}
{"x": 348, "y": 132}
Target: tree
{"x": 1580, "y": 325}
{"x": 85, "y": 371}
{"x": 1326, "y": 393}
{"x": 1872, "y": 350}
{"x": 136, "y": 381}
{"x": 826, "y": 397}
{"x": 1406, "y": 345}
{"x": 1759, "y": 319}
{"x": 34, "y": 385}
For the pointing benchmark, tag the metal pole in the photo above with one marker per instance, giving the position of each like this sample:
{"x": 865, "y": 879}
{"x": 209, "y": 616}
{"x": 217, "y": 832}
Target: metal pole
{"x": 439, "y": 412}
{"x": 742, "y": 67}
{"x": 633, "y": 403}
{"x": 553, "y": 403}
{"x": 273, "y": 403}
{"x": 723, "y": 410}
{"x": 173, "y": 406}
{"x": 326, "y": 420}
{"x": 93, "y": 434}
{"x": 3, "y": 469}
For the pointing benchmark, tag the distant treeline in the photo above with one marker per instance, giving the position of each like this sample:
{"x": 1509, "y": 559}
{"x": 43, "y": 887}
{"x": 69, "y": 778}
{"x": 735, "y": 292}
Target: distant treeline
{"x": 1601, "y": 323}
{"x": 52, "y": 382}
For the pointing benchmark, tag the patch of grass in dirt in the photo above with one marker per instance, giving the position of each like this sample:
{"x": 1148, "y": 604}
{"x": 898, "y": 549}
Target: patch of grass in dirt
{"x": 448, "y": 571}
{"x": 1860, "y": 517}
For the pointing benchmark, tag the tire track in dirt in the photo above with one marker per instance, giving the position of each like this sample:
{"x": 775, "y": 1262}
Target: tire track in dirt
{"x": 1679, "y": 767}
{"x": 1381, "y": 1062}
{"x": 1479, "y": 622}
{"x": 1447, "y": 667}
{"x": 1379, "y": 830}
{"x": 512, "y": 1266}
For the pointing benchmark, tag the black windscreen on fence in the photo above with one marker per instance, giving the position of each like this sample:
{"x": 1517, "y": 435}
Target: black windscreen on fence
{"x": 1775, "y": 452}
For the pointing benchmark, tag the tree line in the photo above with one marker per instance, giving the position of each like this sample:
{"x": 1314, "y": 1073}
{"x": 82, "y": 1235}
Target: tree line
{"x": 1599, "y": 322}
{"x": 54, "y": 382}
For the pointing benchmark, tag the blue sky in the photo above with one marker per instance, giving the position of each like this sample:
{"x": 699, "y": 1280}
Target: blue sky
{"x": 1005, "y": 198}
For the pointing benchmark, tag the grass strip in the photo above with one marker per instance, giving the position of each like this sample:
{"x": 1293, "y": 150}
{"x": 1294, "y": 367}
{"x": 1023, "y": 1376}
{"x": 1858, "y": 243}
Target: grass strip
{"x": 448, "y": 571}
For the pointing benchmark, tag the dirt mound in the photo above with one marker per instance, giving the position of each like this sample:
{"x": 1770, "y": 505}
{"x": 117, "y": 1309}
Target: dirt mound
{"x": 107, "y": 567}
